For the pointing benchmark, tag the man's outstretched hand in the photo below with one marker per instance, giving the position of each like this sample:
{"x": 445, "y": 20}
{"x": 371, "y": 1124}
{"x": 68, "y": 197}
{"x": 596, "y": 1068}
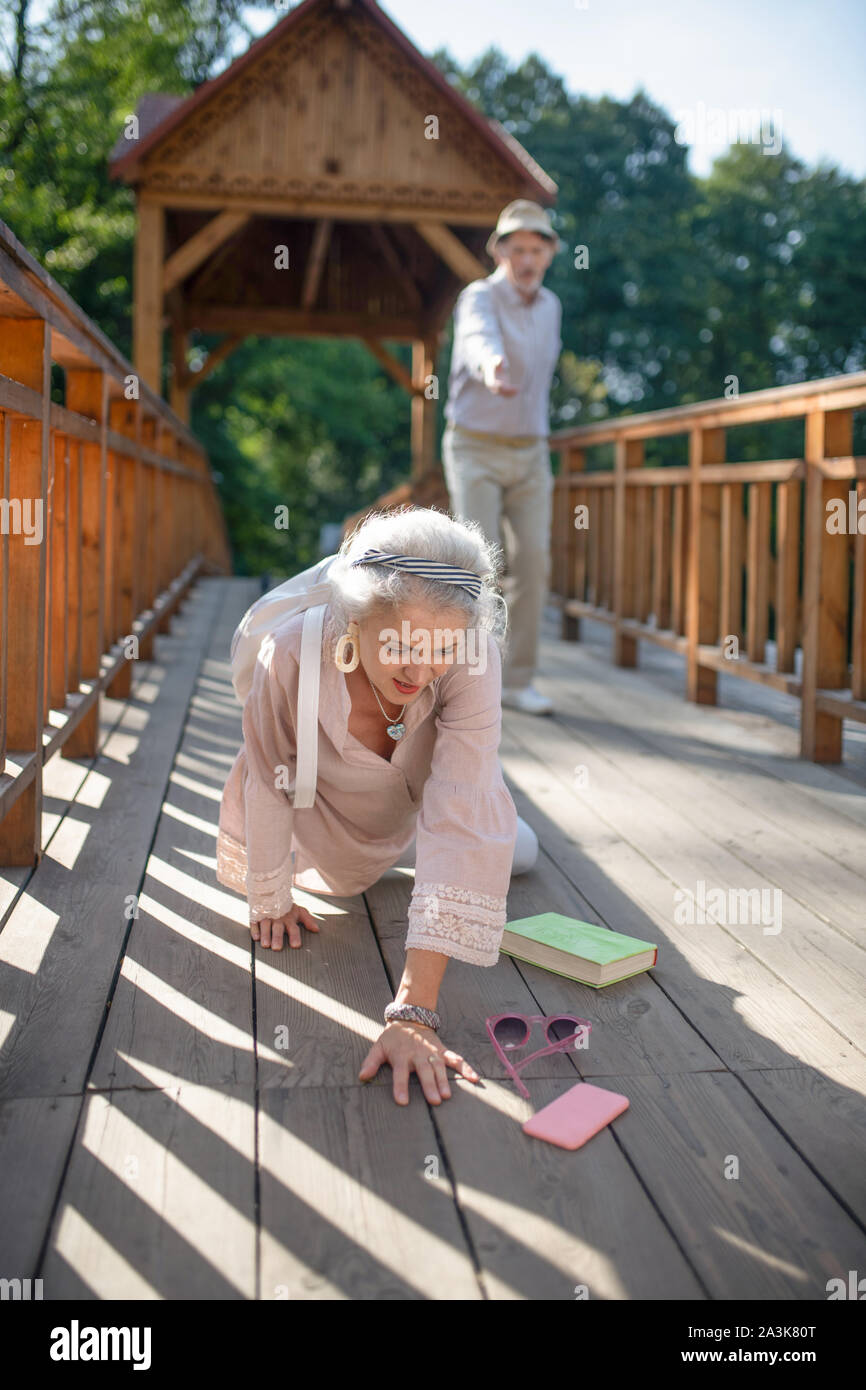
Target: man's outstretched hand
{"x": 496, "y": 378}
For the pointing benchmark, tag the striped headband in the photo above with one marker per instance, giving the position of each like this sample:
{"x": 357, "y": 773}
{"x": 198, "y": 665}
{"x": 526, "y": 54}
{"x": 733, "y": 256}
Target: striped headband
{"x": 430, "y": 569}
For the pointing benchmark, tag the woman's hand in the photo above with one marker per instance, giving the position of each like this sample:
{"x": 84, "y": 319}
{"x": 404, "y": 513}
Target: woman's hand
{"x": 408, "y": 1046}
{"x": 270, "y": 930}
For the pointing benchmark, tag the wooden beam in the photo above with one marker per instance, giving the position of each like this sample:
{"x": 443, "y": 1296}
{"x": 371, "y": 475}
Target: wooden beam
{"x": 423, "y": 408}
{"x": 312, "y": 208}
{"x": 213, "y": 359}
{"x": 201, "y": 245}
{"x": 825, "y": 587}
{"x": 703, "y": 579}
{"x": 316, "y": 261}
{"x": 178, "y": 396}
{"x": 396, "y": 266}
{"x": 87, "y": 393}
{"x": 395, "y": 369}
{"x": 625, "y": 523}
{"x": 147, "y": 311}
{"x": 235, "y": 318}
{"x": 451, "y": 250}
{"x": 25, "y": 356}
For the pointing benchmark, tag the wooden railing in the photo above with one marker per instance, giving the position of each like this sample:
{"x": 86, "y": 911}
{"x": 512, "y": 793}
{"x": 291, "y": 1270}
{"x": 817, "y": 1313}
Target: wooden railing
{"x": 108, "y": 513}
{"x": 697, "y": 558}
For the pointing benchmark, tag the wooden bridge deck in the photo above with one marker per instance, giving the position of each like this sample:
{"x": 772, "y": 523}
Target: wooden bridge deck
{"x": 158, "y": 1140}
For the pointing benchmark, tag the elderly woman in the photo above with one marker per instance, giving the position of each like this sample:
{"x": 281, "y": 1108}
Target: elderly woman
{"x": 409, "y": 728}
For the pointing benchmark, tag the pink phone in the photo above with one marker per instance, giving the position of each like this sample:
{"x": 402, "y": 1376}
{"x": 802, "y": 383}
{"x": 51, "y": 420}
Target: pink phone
{"x": 576, "y": 1115}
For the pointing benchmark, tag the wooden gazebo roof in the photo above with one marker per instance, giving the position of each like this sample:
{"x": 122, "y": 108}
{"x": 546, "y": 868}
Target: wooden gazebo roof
{"x": 300, "y": 192}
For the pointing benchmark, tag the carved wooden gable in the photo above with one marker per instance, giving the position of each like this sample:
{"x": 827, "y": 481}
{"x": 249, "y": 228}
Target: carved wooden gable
{"x": 333, "y": 110}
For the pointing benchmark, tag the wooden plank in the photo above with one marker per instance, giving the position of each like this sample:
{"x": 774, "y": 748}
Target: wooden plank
{"x": 423, "y": 407}
{"x": 382, "y": 239}
{"x": 25, "y": 356}
{"x": 61, "y": 942}
{"x": 581, "y": 549}
{"x": 799, "y": 956}
{"x": 718, "y": 804}
{"x": 200, "y": 246}
{"x": 760, "y": 754}
{"x": 679, "y": 559}
{"x": 731, "y": 583}
{"x": 577, "y": 1212}
{"x": 87, "y": 392}
{"x": 787, "y": 573}
{"x": 772, "y": 403}
{"x": 392, "y": 365}
{"x": 661, "y": 556}
{"x": 148, "y": 293}
{"x": 316, "y": 261}
{"x": 703, "y": 569}
{"x": 5, "y": 436}
{"x": 607, "y": 511}
{"x": 452, "y": 250}
{"x": 771, "y": 1232}
{"x": 758, "y": 570}
{"x": 825, "y": 1115}
{"x": 216, "y": 355}
{"x": 858, "y": 626}
{"x": 159, "y": 1199}
{"x": 35, "y": 1136}
{"x": 825, "y": 588}
{"x": 627, "y": 456}
{"x": 57, "y": 626}
{"x": 356, "y": 1199}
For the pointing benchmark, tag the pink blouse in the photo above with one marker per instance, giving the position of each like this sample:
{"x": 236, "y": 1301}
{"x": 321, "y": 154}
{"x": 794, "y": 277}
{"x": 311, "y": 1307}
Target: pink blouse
{"x": 443, "y": 784}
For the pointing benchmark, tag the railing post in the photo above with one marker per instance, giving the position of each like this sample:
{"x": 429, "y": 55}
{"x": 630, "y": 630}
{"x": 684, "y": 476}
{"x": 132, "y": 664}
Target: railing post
{"x": 58, "y": 575}
{"x": 168, "y": 520}
{"x": 423, "y": 408}
{"x": 661, "y": 557}
{"x": 629, "y": 454}
{"x": 150, "y": 524}
{"x": 25, "y": 357}
{"x": 858, "y": 626}
{"x": 732, "y": 550}
{"x": 758, "y": 570}
{"x": 123, "y": 417}
{"x": 703, "y": 573}
{"x": 87, "y": 394}
{"x": 574, "y": 462}
{"x": 825, "y": 586}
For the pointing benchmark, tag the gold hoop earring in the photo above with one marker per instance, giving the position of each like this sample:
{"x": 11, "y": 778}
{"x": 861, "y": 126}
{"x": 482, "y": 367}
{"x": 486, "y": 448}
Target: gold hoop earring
{"x": 350, "y": 637}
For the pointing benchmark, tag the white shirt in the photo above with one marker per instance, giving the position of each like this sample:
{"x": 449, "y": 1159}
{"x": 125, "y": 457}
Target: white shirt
{"x": 492, "y": 319}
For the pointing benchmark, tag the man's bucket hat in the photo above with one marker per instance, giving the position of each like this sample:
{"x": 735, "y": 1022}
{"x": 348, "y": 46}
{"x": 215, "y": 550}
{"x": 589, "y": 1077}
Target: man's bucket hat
{"x": 523, "y": 216}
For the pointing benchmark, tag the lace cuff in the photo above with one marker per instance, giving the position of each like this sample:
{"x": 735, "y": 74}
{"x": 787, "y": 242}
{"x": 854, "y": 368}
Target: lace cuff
{"x": 455, "y": 921}
{"x": 270, "y": 894}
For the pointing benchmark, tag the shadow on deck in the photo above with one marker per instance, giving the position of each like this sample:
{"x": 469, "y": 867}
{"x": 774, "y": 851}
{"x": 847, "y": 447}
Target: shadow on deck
{"x": 180, "y": 1117}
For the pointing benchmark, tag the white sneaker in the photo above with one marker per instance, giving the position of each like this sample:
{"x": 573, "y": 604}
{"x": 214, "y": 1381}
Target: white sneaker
{"x": 528, "y": 699}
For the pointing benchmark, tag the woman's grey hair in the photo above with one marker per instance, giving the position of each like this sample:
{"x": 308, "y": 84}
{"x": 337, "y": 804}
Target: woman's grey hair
{"x": 370, "y": 590}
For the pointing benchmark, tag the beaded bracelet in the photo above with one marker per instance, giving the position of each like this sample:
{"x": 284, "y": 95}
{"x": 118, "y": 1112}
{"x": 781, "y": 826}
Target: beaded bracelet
{"x": 413, "y": 1013}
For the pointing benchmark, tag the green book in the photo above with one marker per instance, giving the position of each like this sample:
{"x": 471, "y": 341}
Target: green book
{"x": 593, "y": 955}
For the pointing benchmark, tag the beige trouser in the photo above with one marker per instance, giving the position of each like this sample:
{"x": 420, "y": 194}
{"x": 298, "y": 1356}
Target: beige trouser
{"x": 508, "y": 490}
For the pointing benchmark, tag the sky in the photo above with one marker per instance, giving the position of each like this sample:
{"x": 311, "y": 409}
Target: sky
{"x": 800, "y": 65}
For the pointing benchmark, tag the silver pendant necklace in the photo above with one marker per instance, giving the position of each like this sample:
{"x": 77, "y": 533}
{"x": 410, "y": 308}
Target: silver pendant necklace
{"x": 395, "y": 729}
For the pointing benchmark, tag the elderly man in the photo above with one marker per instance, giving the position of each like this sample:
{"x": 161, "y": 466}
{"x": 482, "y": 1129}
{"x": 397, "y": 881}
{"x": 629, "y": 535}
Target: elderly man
{"x": 495, "y": 447}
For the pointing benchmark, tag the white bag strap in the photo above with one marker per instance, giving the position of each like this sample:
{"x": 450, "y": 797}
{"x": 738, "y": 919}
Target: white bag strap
{"x": 308, "y": 707}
